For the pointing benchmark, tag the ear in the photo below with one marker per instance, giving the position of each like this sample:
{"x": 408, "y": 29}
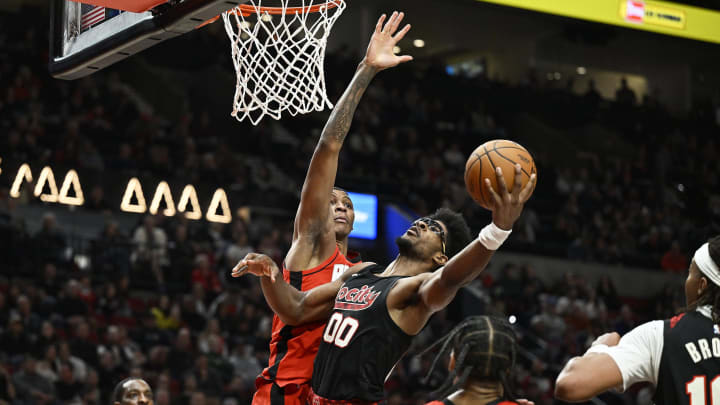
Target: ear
{"x": 703, "y": 283}
{"x": 451, "y": 363}
{"x": 439, "y": 259}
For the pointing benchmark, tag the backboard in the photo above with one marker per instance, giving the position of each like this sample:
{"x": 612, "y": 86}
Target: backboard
{"x": 85, "y": 38}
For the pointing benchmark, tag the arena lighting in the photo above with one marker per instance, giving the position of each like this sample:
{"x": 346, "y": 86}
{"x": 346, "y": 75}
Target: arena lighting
{"x": 512, "y": 319}
{"x": 581, "y": 70}
{"x": 133, "y": 187}
{"x": 219, "y": 198}
{"x": 71, "y": 179}
{"x": 46, "y": 176}
{"x": 218, "y": 210}
{"x": 189, "y": 195}
{"x": 557, "y": 75}
{"x": 23, "y": 173}
{"x": 396, "y": 50}
{"x": 163, "y": 191}
{"x": 419, "y": 43}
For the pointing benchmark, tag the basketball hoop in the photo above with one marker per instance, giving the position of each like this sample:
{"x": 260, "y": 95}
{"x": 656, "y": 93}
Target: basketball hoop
{"x": 278, "y": 54}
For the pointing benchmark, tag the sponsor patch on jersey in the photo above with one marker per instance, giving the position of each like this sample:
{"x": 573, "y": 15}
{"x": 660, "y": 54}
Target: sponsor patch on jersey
{"x": 356, "y": 299}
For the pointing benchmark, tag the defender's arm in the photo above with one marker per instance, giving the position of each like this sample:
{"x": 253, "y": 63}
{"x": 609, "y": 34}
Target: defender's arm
{"x": 292, "y": 306}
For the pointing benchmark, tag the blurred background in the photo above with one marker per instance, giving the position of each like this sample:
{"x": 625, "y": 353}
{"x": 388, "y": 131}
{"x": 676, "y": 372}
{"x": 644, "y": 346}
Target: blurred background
{"x": 623, "y": 124}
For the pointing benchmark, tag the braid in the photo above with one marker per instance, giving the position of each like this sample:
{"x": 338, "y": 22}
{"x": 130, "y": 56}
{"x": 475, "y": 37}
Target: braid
{"x": 484, "y": 350}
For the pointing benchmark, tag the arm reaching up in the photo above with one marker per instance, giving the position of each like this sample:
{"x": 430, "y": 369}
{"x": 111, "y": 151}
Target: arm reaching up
{"x": 415, "y": 299}
{"x": 312, "y": 216}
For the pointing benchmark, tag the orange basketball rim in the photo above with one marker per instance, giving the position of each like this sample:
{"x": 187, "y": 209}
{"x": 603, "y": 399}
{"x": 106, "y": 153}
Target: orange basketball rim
{"x": 247, "y": 10}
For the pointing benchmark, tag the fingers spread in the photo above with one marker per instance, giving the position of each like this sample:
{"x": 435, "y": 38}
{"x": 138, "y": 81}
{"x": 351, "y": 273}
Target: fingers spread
{"x": 400, "y": 35}
{"x": 390, "y": 22}
{"x": 517, "y": 184}
{"x": 396, "y": 23}
{"x": 379, "y": 25}
{"x": 497, "y": 200}
{"x": 405, "y": 58}
{"x": 528, "y": 189}
{"x": 502, "y": 186}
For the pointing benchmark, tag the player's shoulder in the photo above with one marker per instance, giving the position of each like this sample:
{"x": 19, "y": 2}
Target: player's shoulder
{"x": 355, "y": 270}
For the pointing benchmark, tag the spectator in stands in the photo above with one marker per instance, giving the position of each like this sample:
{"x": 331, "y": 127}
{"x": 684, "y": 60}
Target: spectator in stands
{"x": 14, "y": 340}
{"x": 50, "y": 240}
{"x": 82, "y": 344}
{"x": 32, "y": 388}
{"x": 674, "y": 260}
{"x": 7, "y": 389}
{"x": 96, "y": 200}
{"x": 31, "y": 321}
{"x": 79, "y": 368}
{"x": 150, "y": 251}
{"x": 203, "y": 275}
{"x": 112, "y": 251}
{"x": 182, "y": 353}
{"x": 71, "y": 305}
{"x": 625, "y": 95}
{"x": 68, "y": 389}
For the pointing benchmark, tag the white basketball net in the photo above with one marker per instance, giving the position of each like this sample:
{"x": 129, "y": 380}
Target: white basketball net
{"x": 279, "y": 59}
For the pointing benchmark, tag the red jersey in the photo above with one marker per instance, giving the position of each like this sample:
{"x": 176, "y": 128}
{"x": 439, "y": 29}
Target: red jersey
{"x": 293, "y": 348}
{"x": 448, "y": 402}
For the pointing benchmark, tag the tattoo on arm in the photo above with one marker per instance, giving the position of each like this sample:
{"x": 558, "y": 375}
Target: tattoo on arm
{"x": 340, "y": 120}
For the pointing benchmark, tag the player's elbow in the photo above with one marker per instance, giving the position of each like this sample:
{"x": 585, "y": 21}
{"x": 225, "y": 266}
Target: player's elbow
{"x": 572, "y": 384}
{"x": 568, "y": 390}
{"x": 329, "y": 143}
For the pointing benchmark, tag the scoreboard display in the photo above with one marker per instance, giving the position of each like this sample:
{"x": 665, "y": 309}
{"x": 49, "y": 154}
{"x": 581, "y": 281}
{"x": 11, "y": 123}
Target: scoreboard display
{"x": 682, "y": 19}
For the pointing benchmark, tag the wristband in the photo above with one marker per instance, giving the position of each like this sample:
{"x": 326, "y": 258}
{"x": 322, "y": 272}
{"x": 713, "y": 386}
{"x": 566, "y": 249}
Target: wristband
{"x": 493, "y": 237}
{"x": 598, "y": 348}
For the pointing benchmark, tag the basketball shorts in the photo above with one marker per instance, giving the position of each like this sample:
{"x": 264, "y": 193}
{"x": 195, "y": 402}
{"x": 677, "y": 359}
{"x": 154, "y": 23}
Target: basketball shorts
{"x": 269, "y": 393}
{"x": 318, "y": 400}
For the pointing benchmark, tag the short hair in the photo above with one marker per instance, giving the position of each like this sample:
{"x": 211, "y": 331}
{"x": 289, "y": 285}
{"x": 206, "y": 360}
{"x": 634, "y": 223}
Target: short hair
{"x": 119, "y": 390}
{"x": 485, "y": 348}
{"x": 458, "y": 232}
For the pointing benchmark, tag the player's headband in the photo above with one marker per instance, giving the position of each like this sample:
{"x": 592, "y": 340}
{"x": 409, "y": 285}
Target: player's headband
{"x": 706, "y": 264}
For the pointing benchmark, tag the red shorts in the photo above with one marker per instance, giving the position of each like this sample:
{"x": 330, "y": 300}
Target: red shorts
{"x": 269, "y": 393}
{"x": 318, "y": 400}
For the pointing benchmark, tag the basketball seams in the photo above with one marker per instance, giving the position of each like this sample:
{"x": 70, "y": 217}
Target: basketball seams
{"x": 494, "y": 170}
{"x": 513, "y": 162}
{"x": 479, "y": 179}
{"x": 508, "y": 147}
{"x": 483, "y": 195}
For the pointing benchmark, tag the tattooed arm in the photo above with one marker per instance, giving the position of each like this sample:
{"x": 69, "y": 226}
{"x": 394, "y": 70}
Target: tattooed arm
{"x": 311, "y": 237}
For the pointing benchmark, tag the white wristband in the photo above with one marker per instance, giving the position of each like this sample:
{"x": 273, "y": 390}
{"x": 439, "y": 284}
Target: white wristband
{"x": 493, "y": 237}
{"x": 598, "y": 348}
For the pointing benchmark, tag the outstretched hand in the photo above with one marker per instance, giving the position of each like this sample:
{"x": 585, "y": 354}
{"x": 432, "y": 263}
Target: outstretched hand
{"x": 508, "y": 205}
{"x": 380, "y": 50}
{"x": 257, "y": 264}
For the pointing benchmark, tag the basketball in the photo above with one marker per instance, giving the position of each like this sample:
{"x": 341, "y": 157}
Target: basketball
{"x": 492, "y": 154}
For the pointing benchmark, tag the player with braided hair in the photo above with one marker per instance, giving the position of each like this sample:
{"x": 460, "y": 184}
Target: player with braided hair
{"x": 679, "y": 356}
{"x": 482, "y": 353}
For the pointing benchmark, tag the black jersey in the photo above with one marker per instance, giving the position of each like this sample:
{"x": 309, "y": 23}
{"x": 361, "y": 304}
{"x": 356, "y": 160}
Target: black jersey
{"x": 361, "y": 343}
{"x": 690, "y": 362}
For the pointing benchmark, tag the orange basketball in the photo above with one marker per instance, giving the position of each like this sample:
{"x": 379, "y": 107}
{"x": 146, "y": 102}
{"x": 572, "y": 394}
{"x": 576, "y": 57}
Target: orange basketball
{"x": 482, "y": 163}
